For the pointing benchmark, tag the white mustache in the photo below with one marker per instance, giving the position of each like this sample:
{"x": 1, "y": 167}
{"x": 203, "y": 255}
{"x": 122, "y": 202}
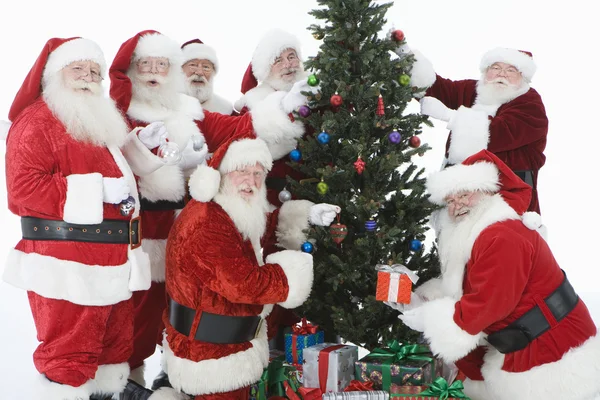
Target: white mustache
{"x": 500, "y": 80}
{"x": 197, "y": 78}
{"x": 288, "y": 70}
{"x": 93, "y": 87}
{"x": 147, "y": 77}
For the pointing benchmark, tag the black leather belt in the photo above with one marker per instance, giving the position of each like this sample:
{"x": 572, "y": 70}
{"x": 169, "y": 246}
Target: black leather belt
{"x": 108, "y": 231}
{"x": 214, "y": 328}
{"x": 276, "y": 183}
{"x": 161, "y": 205}
{"x": 526, "y": 176}
{"x": 532, "y": 324}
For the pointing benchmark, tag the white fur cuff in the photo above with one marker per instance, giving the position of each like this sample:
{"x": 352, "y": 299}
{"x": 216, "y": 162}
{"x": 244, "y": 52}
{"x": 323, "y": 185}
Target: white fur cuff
{"x": 84, "y": 204}
{"x": 111, "y": 378}
{"x": 431, "y": 290}
{"x": 140, "y": 159}
{"x": 298, "y": 268}
{"x": 470, "y": 133}
{"x": 292, "y": 224}
{"x": 46, "y": 389}
{"x": 422, "y": 74}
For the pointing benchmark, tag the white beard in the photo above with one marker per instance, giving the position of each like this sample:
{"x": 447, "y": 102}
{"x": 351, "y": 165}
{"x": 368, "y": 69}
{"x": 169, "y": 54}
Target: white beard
{"x": 202, "y": 93}
{"x": 164, "y": 95}
{"x": 249, "y": 216}
{"x": 87, "y": 116}
{"x": 490, "y": 93}
{"x": 278, "y": 83}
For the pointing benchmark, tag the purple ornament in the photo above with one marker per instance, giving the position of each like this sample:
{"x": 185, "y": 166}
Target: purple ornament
{"x": 304, "y": 111}
{"x": 370, "y": 225}
{"x": 395, "y": 137}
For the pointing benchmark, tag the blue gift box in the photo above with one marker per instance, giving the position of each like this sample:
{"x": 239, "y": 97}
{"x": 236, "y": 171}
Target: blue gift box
{"x": 295, "y": 356}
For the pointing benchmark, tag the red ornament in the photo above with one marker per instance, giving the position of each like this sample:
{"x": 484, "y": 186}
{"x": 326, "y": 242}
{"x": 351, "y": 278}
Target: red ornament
{"x": 338, "y": 231}
{"x": 414, "y": 142}
{"x": 359, "y": 165}
{"x": 380, "y": 110}
{"x": 398, "y": 35}
{"x": 336, "y": 100}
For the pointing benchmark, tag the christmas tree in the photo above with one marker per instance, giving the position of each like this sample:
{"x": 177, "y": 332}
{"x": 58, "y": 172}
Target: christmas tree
{"x": 360, "y": 157}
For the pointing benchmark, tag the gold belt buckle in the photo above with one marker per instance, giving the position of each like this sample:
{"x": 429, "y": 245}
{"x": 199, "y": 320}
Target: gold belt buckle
{"x": 132, "y": 232}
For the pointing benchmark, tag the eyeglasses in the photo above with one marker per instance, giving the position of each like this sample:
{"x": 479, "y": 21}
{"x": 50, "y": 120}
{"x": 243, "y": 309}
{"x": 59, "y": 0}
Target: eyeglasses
{"x": 244, "y": 173}
{"x": 200, "y": 66}
{"x": 510, "y": 71}
{"x": 80, "y": 72}
{"x": 146, "y": 64}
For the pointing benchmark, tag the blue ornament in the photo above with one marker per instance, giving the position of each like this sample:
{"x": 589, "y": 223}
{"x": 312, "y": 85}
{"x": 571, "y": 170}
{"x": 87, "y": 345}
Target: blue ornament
{"x": 415, "y": 245}
{"x": 323, "y": 137}
{"x": 295, "y": 155}
{"x": 307, "y": 247}
{"x": 370, "y": 225}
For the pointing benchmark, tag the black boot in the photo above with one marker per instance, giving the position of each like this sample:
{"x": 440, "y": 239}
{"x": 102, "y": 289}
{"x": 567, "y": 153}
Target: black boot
{"x": 101, "y": 397}
{"x": 161, "y": 380}
{"x": 134, "y": 391}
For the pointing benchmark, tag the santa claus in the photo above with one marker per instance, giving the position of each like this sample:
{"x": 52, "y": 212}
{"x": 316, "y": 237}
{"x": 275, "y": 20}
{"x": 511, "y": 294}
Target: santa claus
{"x": 503, "y": 310}
{"x": 220, "y": 290}
{"x": 147, "y": 84}
{"x": 500, "y": 112}
{"x": 80, "y": 257}
{"x": 200, "y": 66}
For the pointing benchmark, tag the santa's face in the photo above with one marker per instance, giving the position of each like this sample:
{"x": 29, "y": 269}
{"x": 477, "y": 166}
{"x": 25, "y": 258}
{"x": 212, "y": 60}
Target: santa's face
{"x": 502, "y": 74}
{"x": 82, "y": 77}
{"x": 286, "y": 66}
{"x": 248, "y": 181}
{"x": 152, "y": 70}
{"x": 199, "y": 82}
{"x": 460, "y": 204}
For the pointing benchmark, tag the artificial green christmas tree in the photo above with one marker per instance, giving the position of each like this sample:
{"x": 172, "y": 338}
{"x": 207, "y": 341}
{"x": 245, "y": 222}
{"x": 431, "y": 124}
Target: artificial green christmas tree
{"x": 360, "y": 157}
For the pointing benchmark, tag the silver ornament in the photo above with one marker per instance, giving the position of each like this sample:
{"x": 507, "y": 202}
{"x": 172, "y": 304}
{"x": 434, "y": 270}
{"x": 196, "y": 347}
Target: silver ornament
{"x": 284, "y": 196}
{"x": 169, "y": 153}
{"x": 127, "y": 206}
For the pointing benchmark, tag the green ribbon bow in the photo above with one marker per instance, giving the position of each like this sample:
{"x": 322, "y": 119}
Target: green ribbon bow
{"x": 394, "y": 353}
{"x": 262, "y": 385}
{"x": 278, "y": 373}
{"x": 441, "y": 389}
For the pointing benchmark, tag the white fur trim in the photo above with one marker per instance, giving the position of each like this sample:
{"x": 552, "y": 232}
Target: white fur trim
{"x": 298, "y": 268}
{"x": 110, "y": 378}
{"x": 269, "y": 48}
{"x": 71, "y": 51}
{"x": 156, "y": 250}
{"x": 514, "y": 57}
{"x": 158, "y": 45}
{"x": 140, "y": 159}
{"x": 254, "y": 96}
{"x": 48, "y": 390}
{"x": 204, "y": 183}
{"x": 218, "y": 104}
{"x": 84, "y": 203}
{"x": 422, "y": 74}
{"x": 476, "y": 390}
{"x": 574, "y": 376}
{"x": 88, "y": 285}
{"x": 274, "y": 126}
{"x": 431, "y": 290}
{"x": 197, "y": 51}
{"x": 244, "y": 153}
{"x": 166, "y": 183}
{"x": 4, "y": 128}
{"x": 218, "y": 375}
{"x": 167, "y": 393}
{"x": 446, "y": 338}
{"x": 293, "y": 223}
{"x": 470, "y": 133}
{"x": 479, "y": 176}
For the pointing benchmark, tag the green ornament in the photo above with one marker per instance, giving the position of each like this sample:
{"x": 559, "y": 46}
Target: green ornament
{"x": 322, "y": 187}
{"x": 404, "y": 80}
{"x": 313, "y": 80}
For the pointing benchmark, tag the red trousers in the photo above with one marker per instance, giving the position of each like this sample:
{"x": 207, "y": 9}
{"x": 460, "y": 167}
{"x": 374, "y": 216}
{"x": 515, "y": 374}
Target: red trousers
{"x": 239, "y": 394}
{"x": 76, "y": 339}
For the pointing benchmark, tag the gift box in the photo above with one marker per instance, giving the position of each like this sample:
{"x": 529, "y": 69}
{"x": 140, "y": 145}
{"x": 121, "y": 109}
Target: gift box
{"x": 329, "y": 366}
{"x": 302, "y": 336}
{"x": 259, "y": 390}
{"x": 282, "y": 376}
{"x": 399, "y": 365}
{"x": 372, "y": 395}
{"x": 438, "y": 389}
{"x": 394, "y": 283}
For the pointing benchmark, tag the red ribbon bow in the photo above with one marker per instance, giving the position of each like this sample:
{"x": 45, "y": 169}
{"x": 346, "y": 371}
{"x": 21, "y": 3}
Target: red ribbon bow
{"x": 358, "y": 386}
{"x": 311, "y": 393}
{"x": 305, "y": 329}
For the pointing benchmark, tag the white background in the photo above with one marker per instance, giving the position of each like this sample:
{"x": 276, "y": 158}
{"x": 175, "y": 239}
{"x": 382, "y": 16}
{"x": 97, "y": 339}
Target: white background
{"x": 454, "y": 34}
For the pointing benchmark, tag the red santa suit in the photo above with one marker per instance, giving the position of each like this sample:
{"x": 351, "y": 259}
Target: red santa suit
{"x": 222, "y": 273}
{"x": 514, "y": 129}
{"x": 495, "y": 268}
{"x": 79, "y": 291}
{"x": 163, "y": 191}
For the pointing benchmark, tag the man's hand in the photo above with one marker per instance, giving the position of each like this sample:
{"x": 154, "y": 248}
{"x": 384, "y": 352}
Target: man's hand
{"x": 151, "y": 135}
{"x": 191, "y": 158}
{"x": 413, "y": 319}
{"x": 323, "y": 214}
{"x": 114, "y": 190}
{"x": 436, "y": 109}
{"x": 295, "y": 98}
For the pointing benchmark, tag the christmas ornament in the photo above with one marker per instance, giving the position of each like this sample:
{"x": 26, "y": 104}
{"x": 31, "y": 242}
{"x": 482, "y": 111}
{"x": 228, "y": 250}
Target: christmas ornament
{"x": 398, "y": 35}
{"x": 318, "y": 35}
{"x": 169, "y": 153}
{"x": 284, "y": 196}
{"x": 295, "y": 155}
{"x": 197, "y": 142}
{"x": 414, "y": 142}
{"x": 323, "y": 137}
{"x": 304, "y": 111}
{"x": 395, "y": 136}
{"x": 359, "y": 165}
{"x": 336, "y": 100}
{"x": 404, "y": 80}
{"x": 380, "y": 110}
{"x": 371, "y": 225}
{"x": 322, "y": 187}
{"x": 127, "y": 206}
{"x": 338, "y": 231}
{"x": 312, "y": 80}
{"x": 415, "y": 245}
{"x": 307, "y": 247}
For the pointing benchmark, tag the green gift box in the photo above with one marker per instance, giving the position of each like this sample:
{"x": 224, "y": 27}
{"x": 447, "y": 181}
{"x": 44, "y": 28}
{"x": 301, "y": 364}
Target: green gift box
{"x": 279, "y": 373}
{"x": 398, "y": 365}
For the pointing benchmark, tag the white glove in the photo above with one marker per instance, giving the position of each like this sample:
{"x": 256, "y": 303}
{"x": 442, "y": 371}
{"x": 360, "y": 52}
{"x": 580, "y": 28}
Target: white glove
{"x": 114, "y": 190}
{"x": 152, "y": 135}
{"x": 294, "y": 98}
{"x": 413, "y": 319}
{"x": 191, "y": 158}
{"x": 436, "y": 109}
{"x": 323, "y": 214}
{"x": 415, "y": 301}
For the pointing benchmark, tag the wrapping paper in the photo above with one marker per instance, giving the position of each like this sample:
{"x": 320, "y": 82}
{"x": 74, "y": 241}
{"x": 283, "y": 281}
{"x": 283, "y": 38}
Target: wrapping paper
{"x": 329, "y": 366}
{"x": 394, "y": 283}
{"x": 302, "y": 336}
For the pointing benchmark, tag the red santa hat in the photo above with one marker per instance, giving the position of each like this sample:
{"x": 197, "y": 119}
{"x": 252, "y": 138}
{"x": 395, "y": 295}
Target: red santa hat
{"x": 196, "y": 49}
{"x": 483, "y": 171}
{"x": 241, "y": 151}
{"x": 521, "y": 59}
{"x": 56, "y": 54}
{"x": 147, "y": 43}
